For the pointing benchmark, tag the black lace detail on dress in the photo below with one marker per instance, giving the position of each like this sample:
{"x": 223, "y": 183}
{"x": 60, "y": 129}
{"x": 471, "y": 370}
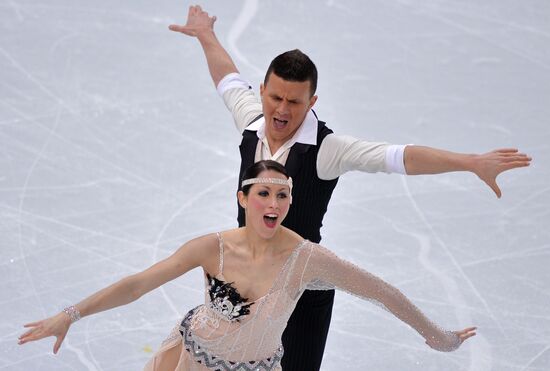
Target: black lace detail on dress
{"x": 226, "y": 300}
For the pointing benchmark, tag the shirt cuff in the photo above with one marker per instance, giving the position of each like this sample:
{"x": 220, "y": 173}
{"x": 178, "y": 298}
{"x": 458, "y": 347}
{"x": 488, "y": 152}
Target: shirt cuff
{"x": 232, "y": 81}
{"x": 394, "y": 159}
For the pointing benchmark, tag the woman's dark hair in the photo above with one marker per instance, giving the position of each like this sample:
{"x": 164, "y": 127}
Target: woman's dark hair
{"x": 254, "y": 170}
{"x": 294, "y": 65}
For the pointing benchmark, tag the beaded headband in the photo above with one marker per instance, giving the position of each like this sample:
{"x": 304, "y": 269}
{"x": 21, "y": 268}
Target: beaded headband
{"x": 287, "y": 182}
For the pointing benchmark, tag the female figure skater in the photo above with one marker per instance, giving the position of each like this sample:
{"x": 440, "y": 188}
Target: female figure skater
{"x": 254, "y": 276}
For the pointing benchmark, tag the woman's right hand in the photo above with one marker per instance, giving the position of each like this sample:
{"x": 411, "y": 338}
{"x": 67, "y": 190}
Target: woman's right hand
{"x": 57, "y": 326}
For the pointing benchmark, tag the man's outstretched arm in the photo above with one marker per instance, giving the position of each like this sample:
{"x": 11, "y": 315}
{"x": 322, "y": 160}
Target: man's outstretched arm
{"x": 487, "y": 166}
{"x": 201, "y": 25}
{"x": 339, "y": 154}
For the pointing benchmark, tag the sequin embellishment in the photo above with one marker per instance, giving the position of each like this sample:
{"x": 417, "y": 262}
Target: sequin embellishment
{"x": 226, "y": 300}
{"x": 201, "y": 356}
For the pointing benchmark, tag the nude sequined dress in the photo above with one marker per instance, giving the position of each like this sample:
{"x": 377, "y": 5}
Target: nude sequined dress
{"x": 230, "y": 333}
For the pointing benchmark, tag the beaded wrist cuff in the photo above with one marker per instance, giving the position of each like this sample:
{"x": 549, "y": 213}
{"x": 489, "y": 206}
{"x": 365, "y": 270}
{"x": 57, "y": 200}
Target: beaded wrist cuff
{"x": 73, "y": 313}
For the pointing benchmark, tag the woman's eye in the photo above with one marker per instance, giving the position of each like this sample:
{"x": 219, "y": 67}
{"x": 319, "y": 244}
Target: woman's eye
{"x": 282, "y": 195}
{"x": 263, "y": 193}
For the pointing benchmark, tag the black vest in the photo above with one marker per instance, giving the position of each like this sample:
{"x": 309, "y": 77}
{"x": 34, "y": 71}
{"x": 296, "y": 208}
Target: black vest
{"x": 310, "y": 195}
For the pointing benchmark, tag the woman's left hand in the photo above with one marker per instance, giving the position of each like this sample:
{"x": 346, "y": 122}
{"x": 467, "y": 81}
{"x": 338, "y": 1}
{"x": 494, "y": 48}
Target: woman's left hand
{"x": 466, "y": 333}
{"x": 449, "y": 341}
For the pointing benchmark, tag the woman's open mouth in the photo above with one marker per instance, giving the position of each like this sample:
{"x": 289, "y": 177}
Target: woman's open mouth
{"x": 270, "y": 220}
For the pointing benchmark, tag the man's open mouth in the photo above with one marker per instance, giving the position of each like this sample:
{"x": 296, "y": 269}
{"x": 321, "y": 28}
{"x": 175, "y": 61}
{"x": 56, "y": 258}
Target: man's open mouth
{"x": 279, "y": 124}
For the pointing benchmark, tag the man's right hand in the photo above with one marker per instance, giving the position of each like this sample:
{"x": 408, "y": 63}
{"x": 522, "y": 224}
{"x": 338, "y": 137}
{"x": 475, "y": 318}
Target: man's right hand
{"x": 197, "y": 21}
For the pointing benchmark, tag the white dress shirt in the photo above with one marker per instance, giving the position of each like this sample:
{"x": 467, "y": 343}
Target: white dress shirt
{"x": 337, "y": 155}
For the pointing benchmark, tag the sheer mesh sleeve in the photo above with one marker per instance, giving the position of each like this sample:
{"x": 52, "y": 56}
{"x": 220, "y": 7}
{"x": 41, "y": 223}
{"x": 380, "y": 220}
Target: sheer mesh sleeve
{"x": 323, "y": 270}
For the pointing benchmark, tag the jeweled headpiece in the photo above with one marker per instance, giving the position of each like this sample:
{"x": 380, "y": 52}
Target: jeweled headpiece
{"x": 287, "y": 182}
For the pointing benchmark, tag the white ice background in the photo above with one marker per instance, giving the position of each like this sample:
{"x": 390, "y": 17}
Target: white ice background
{"x": 115, "y": 149}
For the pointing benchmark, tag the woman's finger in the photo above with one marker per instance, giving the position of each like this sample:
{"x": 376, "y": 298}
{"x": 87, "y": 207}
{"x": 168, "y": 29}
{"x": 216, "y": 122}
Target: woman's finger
{"x": 32, "y": 324}
{"x": 467, "y": 336}
{"x": 466, "y": 333}
{"x": 58, "y": 344}
{"x": 28, "y": 337}
{"x": 27, "y": 333}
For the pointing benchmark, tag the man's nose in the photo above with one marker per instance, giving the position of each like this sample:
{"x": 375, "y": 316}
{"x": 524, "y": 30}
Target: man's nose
{"x": 282, "y": 108}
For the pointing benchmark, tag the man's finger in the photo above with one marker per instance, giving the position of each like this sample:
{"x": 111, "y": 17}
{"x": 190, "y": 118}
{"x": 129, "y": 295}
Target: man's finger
{"x": 513, "y": 165}
{"x": 515, "y": 156}
{"x": 174, "y": 27}
{"x": 493, "y": 185}
{"x": 506, "y": 150}
{"x": 182, "y": 29}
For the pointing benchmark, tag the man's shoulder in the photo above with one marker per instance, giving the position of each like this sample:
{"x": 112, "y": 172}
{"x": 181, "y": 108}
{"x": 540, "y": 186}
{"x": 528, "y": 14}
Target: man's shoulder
{"x": 256, "y": 123}
{"x": 322, "y": 131}
{"x": 321, "y": 125}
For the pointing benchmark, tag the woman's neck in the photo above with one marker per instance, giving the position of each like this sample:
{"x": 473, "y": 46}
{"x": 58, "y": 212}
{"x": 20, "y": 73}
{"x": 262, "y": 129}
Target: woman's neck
{"x": 259, "y": 246}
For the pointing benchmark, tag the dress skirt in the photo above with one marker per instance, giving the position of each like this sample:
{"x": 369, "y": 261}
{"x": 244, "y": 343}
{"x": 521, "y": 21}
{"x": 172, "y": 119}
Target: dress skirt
{"x": 179, "y": 352}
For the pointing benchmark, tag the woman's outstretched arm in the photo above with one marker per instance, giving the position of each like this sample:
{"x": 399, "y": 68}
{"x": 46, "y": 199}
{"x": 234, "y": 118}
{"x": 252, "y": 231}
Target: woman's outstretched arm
{"x": 191, "y": 255}
{"x": 325, "y": 270}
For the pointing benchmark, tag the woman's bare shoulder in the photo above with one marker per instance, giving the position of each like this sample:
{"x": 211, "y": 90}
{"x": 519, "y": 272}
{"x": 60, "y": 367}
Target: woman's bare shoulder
{"x": 292, "y": 237}
{"x": 205, "y": 248}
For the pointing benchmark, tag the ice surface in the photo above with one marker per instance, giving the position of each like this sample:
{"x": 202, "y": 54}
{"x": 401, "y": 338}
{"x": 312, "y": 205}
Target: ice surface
{"x": 115, "y": 149}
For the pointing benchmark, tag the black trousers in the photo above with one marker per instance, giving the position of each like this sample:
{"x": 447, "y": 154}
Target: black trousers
{"x": 306, "y": 333}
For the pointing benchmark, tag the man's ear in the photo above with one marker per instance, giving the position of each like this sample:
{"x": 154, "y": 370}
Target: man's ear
{"x": 312, "y": 101}
{"x": 242, "y": 199}
{"x": 262, "y": 88}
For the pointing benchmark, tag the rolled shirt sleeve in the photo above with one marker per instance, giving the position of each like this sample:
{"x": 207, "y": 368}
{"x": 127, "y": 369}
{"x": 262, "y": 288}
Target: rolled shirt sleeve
{"x": 339, "y": 154}
{"x": 240, "y": 100}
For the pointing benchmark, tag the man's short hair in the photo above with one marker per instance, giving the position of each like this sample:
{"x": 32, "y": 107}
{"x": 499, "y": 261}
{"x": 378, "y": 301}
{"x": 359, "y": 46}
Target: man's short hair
{"x": 294, "y": 65}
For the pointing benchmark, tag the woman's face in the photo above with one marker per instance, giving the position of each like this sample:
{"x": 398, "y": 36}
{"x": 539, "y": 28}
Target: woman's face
{"x": 266, "y": 204}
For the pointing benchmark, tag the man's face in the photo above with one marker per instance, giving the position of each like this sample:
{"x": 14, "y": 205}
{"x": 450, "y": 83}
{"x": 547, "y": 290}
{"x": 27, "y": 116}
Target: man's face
{"x": 285, "y": 104}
